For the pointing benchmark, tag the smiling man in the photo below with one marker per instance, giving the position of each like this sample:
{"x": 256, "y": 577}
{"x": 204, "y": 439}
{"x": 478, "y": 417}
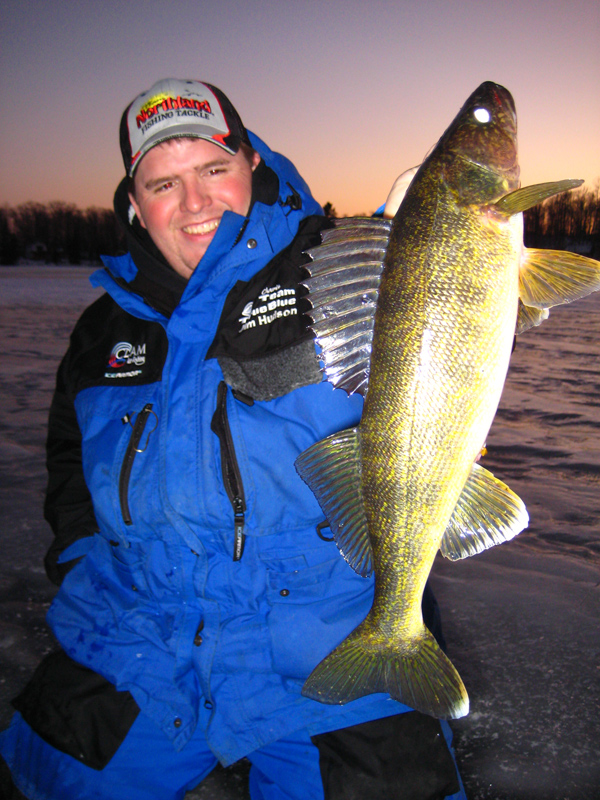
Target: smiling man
{"x": 181, "y": 190}
{"x": 196, "y": 590}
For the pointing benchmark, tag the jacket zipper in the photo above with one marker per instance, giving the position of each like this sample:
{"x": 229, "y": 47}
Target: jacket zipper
{"x": 232, "y": 479}
{"x": 130, "y": 454}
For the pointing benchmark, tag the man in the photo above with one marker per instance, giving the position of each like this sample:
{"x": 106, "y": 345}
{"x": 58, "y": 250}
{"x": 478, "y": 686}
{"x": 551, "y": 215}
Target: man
{"x": 197, "y": 592}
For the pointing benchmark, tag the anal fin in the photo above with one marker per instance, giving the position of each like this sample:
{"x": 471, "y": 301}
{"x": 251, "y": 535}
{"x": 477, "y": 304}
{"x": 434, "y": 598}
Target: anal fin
{"x": 487, "y": 513}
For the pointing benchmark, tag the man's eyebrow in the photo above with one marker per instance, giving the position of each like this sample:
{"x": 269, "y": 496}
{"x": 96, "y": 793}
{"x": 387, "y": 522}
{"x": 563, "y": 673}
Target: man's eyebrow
{"x": 217, "y": 162}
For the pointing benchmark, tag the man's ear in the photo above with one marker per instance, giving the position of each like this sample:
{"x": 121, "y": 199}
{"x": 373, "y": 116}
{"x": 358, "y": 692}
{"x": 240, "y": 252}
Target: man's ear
{"x": 136, "y": 208}
{"x": 255, "y": 160}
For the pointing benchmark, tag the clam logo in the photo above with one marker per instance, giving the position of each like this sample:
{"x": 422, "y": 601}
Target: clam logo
{"x": 125, "y": 353}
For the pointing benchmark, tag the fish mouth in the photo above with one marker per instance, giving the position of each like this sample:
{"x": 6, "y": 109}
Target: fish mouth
{"x": 480, "y": 146}
{"x": 501, "y": 100}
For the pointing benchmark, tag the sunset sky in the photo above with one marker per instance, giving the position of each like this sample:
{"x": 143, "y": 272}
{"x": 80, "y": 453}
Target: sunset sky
{"x": 353, "y": 92}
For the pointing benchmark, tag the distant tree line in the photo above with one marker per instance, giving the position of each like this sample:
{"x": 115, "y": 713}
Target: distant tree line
{"x": 58, "y": 233}
{"x": 61, "y": 233}
{"x": 568, "y": 221}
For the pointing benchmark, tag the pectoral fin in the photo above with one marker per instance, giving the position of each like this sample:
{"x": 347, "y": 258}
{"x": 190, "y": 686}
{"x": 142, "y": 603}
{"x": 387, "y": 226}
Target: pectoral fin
{"x": 551, "y": 277}
{"x": 332, "y": 469}
{"x": 487, "y": 513}
{"x": 547, "y": 277}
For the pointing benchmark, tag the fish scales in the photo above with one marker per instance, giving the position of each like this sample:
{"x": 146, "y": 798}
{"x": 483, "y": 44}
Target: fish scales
{"x": 454, "y": 286}
{"x": 450, "y": 368}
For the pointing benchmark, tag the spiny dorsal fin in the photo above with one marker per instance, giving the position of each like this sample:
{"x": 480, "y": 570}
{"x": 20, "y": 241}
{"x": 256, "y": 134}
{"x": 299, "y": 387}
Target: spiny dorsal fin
{"x": 487, "y": 513}
{"x": 343, "y": 287}
{"x": 529, "y": 196}
{"x": 331, "y": 468}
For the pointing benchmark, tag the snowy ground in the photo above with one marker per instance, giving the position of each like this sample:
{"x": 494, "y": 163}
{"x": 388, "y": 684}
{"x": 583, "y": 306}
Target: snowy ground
{"x": 522, "y": 620}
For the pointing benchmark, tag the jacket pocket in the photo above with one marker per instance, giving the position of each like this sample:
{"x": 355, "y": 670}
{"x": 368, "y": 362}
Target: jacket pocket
{"x": 230, "y": 471}
{"x": 313, "y": 608}
{"x": 134, "y": 447}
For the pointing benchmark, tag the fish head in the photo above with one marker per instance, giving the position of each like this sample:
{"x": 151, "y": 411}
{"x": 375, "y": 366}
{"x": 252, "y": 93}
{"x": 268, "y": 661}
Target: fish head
{"x": 478, "y": 152}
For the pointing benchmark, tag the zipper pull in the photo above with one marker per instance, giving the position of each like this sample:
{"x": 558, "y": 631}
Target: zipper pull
{"x": 140, "y": 424}
{"x": 243, "y": 398}
{"x": 239, "y": 537}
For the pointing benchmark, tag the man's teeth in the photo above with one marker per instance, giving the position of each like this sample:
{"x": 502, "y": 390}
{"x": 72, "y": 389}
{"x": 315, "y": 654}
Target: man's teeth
{"x": 202, "y": 227}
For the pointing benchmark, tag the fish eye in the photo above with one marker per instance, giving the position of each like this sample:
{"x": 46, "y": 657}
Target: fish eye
{"x": 482, "y": 115}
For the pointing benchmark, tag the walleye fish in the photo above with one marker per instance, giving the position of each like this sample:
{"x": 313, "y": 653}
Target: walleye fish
{"x": 422, "y": 312}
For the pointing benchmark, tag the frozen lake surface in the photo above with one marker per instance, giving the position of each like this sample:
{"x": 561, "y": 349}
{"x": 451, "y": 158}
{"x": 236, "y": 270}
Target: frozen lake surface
{"x": 522, "y": 620}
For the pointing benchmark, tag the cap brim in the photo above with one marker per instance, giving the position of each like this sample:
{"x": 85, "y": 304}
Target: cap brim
{"x": 183, "y": 132}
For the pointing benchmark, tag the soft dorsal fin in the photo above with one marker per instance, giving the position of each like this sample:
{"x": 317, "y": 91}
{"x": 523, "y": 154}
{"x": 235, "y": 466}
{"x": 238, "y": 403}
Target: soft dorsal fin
{"x": 343, "y": 287}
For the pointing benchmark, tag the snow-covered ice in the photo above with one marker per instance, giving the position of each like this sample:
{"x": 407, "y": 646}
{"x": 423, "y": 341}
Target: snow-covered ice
{"x": 521, "y": 620}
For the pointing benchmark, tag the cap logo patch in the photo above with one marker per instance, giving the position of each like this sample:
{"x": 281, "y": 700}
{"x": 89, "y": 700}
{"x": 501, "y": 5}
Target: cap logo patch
{"x": 164, "y": 103}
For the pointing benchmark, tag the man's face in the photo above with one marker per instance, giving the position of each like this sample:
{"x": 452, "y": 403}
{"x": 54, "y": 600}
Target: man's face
{"x": 182, "y": 188}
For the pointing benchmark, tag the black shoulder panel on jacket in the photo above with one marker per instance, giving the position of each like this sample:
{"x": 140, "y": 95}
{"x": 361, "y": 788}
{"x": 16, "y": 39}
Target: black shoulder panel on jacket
{"x": 265, "y": 314}
{"x": 263, "y": 344}
{"x": 112, "y": 347}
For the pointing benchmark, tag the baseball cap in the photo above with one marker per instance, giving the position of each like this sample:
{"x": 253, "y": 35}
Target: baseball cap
{"x": 174, "y": 108}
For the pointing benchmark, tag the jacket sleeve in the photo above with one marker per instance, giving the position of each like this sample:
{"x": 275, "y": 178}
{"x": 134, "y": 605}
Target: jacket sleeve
{"x": 68, "y": 505}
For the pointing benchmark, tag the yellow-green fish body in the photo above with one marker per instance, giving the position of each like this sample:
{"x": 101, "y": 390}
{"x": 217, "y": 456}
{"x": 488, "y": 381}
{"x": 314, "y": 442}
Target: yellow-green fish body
{"x": 445, "y": 318}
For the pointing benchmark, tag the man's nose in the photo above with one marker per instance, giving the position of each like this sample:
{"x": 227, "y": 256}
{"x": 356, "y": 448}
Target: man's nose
{"x": 195, "y": 196}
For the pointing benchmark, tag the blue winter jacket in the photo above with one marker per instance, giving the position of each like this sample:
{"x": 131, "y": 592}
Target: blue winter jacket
{"x": 206, "y": 591}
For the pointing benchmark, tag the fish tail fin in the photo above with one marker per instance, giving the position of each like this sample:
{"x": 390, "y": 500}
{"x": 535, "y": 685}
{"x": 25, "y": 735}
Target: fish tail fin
{"x": 417, "y": 674}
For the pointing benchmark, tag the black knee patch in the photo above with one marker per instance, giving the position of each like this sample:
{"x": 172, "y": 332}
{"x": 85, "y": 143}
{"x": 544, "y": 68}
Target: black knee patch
{"x": 76, "y": 710}
{"x": 405, "y": 757}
